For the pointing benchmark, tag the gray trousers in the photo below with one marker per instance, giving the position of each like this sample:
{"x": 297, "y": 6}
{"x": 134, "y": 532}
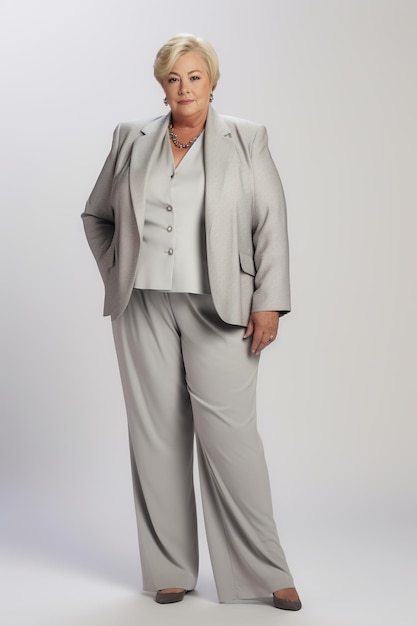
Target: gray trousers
{"x": 186, "y": 373}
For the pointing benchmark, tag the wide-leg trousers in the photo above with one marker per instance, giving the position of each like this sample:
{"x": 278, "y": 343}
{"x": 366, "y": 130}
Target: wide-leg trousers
{"x": 187, "y": 373}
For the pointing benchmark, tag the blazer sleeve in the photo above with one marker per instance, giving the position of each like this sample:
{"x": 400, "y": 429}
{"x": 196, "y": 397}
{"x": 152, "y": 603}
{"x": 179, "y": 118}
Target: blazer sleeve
{"x": 98, "y": 217}
{"x": 269, "y": 232}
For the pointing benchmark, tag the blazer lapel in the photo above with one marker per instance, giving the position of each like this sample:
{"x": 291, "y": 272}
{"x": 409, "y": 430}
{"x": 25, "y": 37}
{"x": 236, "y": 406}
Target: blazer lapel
{"x": 219, "y": 152}
{"x": 143, "y": 149}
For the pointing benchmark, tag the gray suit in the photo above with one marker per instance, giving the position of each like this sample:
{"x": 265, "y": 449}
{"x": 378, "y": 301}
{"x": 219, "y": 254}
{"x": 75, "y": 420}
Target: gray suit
{"x": 247, "y": 244}
{"x": 185, "y": 370}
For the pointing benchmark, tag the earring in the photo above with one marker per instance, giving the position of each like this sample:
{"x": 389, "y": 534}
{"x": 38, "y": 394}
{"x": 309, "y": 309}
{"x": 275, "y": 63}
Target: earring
{"x": 165, "y": 101}
{"x": 211, "y": 97}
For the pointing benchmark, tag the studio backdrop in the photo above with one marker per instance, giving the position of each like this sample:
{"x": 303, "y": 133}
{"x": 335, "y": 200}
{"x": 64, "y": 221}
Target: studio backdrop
{"x": 334, "y": 83}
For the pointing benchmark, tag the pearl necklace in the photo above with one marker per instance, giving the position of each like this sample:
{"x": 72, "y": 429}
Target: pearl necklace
{"x": 177, "y": 143}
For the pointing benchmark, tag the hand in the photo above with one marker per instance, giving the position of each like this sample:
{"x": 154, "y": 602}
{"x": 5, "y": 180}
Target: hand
{"x": 263, "y": 328}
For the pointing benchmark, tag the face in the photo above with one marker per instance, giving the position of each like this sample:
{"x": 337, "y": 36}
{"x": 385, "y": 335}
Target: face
{"x": 187, "y": 87}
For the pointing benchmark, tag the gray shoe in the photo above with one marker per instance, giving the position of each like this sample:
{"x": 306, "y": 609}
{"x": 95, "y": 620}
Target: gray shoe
{"x": 169, "y": 597}
{"x": 287, "y": 605}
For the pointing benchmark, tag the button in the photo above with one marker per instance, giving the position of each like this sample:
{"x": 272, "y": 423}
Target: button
{"x": 169, "y": 229}
{"x": 169, "y": 207}
{"x": 170, "y": 251}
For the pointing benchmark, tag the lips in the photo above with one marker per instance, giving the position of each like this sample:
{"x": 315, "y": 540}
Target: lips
{"x": 185, "y": 101}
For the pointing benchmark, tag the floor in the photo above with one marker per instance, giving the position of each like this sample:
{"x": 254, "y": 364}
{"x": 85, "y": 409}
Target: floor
{"x": 353, "y": 576}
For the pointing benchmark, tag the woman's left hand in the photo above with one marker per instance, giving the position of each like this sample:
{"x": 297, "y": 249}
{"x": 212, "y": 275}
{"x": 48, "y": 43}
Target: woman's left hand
{"x": 263, "y": 328}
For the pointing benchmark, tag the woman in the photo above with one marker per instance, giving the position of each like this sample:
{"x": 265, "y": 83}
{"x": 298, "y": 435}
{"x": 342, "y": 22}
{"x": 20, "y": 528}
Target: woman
{"x": 187, "y": 223}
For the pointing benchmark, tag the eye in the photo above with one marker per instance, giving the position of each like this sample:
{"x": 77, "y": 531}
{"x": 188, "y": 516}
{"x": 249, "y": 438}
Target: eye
{"x": 172, "y": 79}
{"x": 195, "y": 77}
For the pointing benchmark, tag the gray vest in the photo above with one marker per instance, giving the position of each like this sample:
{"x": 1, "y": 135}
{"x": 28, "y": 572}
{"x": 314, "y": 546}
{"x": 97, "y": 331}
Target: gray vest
{"x": 172, "y": 254}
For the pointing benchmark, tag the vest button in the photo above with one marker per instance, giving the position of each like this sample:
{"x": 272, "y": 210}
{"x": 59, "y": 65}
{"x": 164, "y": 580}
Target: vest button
{"x": 170, "y": 251}
{"x": 169, "y": 229}
{"x": 169, "y": 207}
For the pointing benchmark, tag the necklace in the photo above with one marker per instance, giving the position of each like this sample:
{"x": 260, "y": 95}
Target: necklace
{"x": 177, "y": 143}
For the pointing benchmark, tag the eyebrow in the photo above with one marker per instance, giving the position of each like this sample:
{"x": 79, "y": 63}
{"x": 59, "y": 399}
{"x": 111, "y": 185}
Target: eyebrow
{"x": 192, "y": 72}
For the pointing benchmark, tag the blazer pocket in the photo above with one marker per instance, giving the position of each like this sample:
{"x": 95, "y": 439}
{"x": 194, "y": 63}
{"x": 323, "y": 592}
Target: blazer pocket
{"x": 110, "y": 256}
{"x": 247, "y": 263}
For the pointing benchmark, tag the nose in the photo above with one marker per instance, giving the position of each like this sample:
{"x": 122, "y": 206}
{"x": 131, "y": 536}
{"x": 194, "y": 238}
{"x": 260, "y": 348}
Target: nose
{"x": 182, "y": 89}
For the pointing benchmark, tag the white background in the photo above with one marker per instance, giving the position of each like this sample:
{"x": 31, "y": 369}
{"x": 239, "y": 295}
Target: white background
{"x": 335, "y": 84}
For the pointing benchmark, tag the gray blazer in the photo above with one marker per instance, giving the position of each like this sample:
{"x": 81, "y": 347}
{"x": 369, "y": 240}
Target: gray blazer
{"x": 245, "y": 217}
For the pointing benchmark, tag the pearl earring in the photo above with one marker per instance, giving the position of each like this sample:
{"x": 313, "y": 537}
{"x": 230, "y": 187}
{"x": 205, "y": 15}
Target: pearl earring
{"x": 165, "y": 101}
{"x": 211, "y": 97}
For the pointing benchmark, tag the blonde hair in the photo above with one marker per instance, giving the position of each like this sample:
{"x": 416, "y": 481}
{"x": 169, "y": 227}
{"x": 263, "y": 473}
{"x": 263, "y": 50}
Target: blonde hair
{"x": 179, "y": 45}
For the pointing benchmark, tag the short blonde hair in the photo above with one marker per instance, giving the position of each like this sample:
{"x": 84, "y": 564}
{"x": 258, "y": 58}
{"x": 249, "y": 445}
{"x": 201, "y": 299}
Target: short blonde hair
{"x": 179, "y": 45}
